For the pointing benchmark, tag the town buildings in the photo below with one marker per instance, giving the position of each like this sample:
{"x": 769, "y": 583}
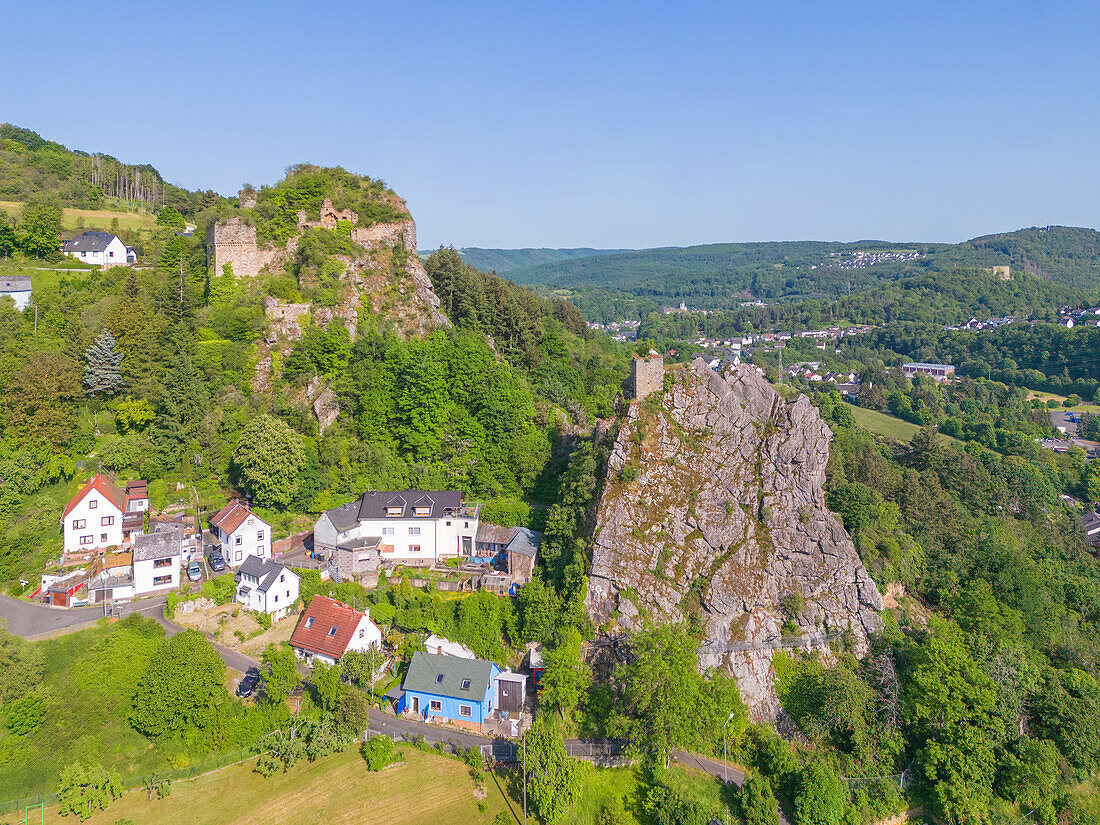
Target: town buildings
{"x": 156, "y": 562}
{"x": 266, "y": 586}
{"x": 328, "y": 629}
{"x": 938, "y": 372}
{"x": 100, "y": 249}
{"x": 241, "y": 533}
{"x": 92, "y": 520}
{"x": 18, "y": 289}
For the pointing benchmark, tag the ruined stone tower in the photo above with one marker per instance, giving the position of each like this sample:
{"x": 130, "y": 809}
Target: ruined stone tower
{"x": 233, "y": 242}
{"x": 647, "y": 374}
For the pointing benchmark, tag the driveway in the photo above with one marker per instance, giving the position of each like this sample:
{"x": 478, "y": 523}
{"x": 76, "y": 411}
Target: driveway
{"x": 232, "y": 658}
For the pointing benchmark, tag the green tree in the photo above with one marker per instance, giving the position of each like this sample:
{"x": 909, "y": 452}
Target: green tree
{"x": 326, "y": 684}
{"x": 267, "y": 460}
{"x": 102, "y": 376}
{"x": 378, "y": 751}
{"x": 41, "y": 404}
{"x": 820, "y": 796}
{"x": 170, "y": 218}
{"x": 553, "y": 779}
{"x": 39, "y": 229}
{"x": 85, "y": 789}
{"x": 183, "y": 687}
{"x": 567, "y": 677}
{"x": 281, "y": 676}
{"x": 132, "y": 415}
{"x": 352, "y": 714}
{"x": 537, "y": 610}
{"x": 757, "y": 802}
{"x": 959, "y": 769}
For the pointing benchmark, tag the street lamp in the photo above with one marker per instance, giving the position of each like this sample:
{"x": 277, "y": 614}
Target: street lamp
{"x": 725, "y": 752}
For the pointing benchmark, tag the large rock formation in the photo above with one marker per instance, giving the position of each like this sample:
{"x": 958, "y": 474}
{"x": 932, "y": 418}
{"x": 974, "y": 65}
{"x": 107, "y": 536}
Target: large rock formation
{"x": 714, "y": 512}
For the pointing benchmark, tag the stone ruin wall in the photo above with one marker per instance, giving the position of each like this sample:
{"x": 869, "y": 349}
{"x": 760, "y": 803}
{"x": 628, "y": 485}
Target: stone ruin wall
{"x": 647, "y": 375}
{"x": 234, "y": 242}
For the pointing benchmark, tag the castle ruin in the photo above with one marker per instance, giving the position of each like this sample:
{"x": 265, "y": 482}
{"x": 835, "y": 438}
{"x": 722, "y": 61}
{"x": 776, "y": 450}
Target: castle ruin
{"x": 647, "y": 374}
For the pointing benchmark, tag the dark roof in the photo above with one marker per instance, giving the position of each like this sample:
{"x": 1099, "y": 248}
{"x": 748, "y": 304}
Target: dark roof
{"x": 345, "y": 516}
{"x": 525, "y": 542}
{"x": 494, "y": 534}
{"x": 373, "y": 505}
{"x": 1090, "y": 521}
{"x": 157, "y": 545}
{"x": 326, "y": 614}
{"x": 15, "y": 284}
{"x": 91, "y": 241}
{"x": 443, "y": 675}
{"x": 265, "y": 572}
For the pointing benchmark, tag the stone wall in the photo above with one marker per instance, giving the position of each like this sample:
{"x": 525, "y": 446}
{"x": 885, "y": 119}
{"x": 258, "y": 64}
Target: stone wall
{"x": 647, "y": 375}
{"x": 233, "y": 242}
{"x": 283, "y": 319}
{"x": 403, "y": 233}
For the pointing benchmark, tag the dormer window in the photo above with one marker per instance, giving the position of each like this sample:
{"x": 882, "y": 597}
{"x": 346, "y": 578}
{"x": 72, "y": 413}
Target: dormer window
{"x": 393, "y": 511}
{"x": 422, "y": 512}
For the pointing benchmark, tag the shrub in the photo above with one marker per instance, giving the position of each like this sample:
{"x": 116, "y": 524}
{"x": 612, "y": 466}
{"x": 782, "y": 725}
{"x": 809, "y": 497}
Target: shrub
{"x": 220, "y": 589}
{"x": 379, "y": 752}
{"x": 629, "y": 474}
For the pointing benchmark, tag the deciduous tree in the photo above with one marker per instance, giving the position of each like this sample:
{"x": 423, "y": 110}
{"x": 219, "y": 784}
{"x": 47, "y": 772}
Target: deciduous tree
{"x": 267, "y": 460}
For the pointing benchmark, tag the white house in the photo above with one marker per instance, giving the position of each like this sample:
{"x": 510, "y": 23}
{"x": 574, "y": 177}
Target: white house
{"x": 242, "y": 533}
{"x": 266, "y": 586}
{"x": 92, "y": 520}
{"x": 157, "y": 561}
{"x": 99, "y": 248}
{"x": 408, "y": 526}
{"x": 445, "y": 647}
{"x": 328, "y": 629}
{"x": 19, "y": 289}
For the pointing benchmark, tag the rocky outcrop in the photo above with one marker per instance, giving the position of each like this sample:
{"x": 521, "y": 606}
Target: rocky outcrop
{"x": 714, "y": 512}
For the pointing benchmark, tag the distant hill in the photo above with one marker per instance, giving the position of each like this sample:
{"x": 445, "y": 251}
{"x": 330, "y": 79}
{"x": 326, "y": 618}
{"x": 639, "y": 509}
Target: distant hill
{"x": 719, "y": 275}
{"x": 505, "y": 260}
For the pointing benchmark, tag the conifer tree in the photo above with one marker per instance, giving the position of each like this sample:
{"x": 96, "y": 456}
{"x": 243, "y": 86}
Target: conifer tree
{"x": 102, "y": 376}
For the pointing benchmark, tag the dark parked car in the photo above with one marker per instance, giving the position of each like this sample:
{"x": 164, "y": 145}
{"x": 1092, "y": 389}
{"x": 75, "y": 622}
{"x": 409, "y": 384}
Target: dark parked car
{"x": 194, "y": 570}
{"x": 217, "y": 563}
{"x": 248, "y": 683}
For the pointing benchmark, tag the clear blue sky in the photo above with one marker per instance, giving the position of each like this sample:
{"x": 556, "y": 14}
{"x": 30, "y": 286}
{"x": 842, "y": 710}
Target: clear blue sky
{"x": 596, "y": 124}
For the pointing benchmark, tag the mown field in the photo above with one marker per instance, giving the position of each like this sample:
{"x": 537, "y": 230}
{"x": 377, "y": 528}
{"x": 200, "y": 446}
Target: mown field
{"x": 884, "y": 424}
{"x": 92, "y": 218}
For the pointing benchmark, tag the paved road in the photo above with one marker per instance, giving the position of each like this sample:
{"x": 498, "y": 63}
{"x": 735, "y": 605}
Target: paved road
{"x": 717, "y": 768}
{"x": 30, "y": 619}
{"x": 235, "y": 660}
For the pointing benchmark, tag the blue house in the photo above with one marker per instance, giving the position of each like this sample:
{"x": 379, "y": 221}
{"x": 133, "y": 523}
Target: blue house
{"x": 458, "y": 690}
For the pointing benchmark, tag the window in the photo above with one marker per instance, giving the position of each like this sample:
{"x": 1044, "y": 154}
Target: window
{"x": 83, "y": 254}
{"x": 465, "y": 684}
{"x": 466, "y": 524}
{"x": 282, "y": 577}
{"x": 422, "y": 511}
{"x": 435, "y": 706}
{"x": 159, "y": 580}
{"x": 387, "y": 531}
{"x": 309, "y": 622}
{"x": 238, "y": 540}
{"x": 463, "y": 710}
{"x": 414, "y": 548}
{"x": 332, "y": 631}
{"x": 161, "y": 563}
{"x": 250, "y": 521}
{"x": 87, "y": 539}
{"x": 79, "y": 523}
{"x": 260, "y": 535}
{"x": 393, "y": 512}
{"x": 362, "y": 632}
{"x": 110, "y": 254}
{"x": 276, "y": 598}
{"x": 103, "y": 537}
{"x": 414, "y": 531}
{"x": 93, "y": 503}
{"x": 448, "y": 524}
{"x": 439, "y": 679}
{"x": 106, "y": 521}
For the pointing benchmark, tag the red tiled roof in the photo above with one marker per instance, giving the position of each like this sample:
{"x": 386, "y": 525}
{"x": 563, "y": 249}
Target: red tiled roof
{"x": 315, "y": 626}
{"x": 230, "y": 517}
{"x": 102, "y": 485}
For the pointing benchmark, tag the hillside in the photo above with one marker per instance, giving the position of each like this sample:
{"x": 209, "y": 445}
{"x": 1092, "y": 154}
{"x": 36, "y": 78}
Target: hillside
{"x": 720, "y": 275}
{"x": 505, "y": 260}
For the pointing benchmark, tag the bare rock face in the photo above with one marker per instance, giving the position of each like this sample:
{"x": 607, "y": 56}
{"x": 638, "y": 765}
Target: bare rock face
{"x": 714, "y": 511}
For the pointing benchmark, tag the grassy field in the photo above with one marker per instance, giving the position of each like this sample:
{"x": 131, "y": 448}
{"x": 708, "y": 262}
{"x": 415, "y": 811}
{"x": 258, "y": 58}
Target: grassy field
{"x": 1046, "y": 396}
{"x": 92, "y": 218}
{"x": 884, "y": 424}
{"x": 426, "y": 790}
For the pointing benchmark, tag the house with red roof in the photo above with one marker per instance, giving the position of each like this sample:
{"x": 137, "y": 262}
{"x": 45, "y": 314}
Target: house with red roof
{"x": 241, "y": 533}
{"x": 328, "y": 629}
{"x": 92, "y": 520}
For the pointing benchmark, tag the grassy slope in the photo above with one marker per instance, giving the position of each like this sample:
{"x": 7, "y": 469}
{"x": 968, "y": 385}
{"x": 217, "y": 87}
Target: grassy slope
{"x": 884, "y": 424}
{"x": 93, "y": 219}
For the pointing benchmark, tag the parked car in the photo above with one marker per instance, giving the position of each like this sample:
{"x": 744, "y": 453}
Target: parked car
{"x": 194, "y": 571}
{"x": 248, "y": 683}
{"x": 217, "y": 563}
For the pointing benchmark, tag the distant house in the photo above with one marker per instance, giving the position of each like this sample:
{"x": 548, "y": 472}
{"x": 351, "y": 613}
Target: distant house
{"x": 328, "y": 629}
{"x": 18, "y": 289}
{"x": 241, "y": 533}
{"x": 516, "y": 546}
{"x": 137, "y": 503}
{"x": 266, "y": 586}
{"x": 60, "y": 589}
{"x": 157, "y": 562}
{"x": 111, "y": 578}
{"x": 445, "y": 647}
{"x": 98, "y": 248}
{"x": 1090, "y": 523}
{"x": 938, "y": 372}
{"x": 408, "y": 526}
{"x": 92, "y": 520}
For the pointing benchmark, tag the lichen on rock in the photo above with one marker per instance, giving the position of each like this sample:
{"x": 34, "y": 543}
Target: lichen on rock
{"x": 714, "y": 512}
